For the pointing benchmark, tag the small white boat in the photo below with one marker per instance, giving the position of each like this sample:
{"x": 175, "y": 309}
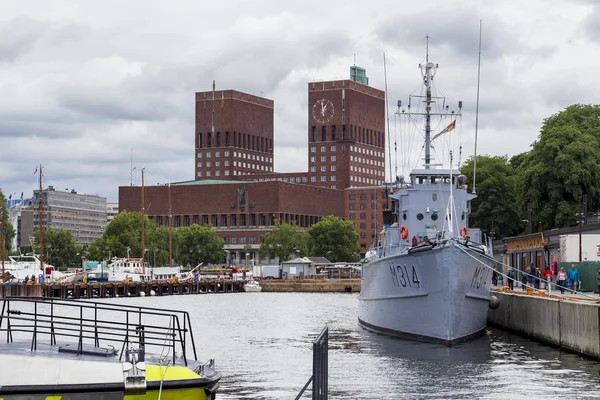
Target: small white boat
{"x": 252, "y": 286}
{"x": 20, "y": 267}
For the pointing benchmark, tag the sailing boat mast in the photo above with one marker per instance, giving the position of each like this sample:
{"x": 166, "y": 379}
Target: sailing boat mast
{"x": 143, "y": 217}
{"x": 41, "y": 213}
{"x": 429, "y": 71}
{"x": 170, "y": 231}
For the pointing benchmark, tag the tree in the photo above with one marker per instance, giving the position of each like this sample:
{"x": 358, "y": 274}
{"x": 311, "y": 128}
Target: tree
{"x": 494, "y": 209}
{"x": 59, "y": 247}
{"x": 284, "y": 242}
{"x": 122, "y": 237}
{"x": 199, "y": 244}
{"x": 334, "y": 239}
{"x": 563, "y": 164}
{"x": 8, "y": 230}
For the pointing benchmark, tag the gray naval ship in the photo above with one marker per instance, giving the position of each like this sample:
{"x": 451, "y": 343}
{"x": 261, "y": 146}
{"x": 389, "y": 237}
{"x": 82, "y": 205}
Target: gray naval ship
{"x": 427, "y": 276}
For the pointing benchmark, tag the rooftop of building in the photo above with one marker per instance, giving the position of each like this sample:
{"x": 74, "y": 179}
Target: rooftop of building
{"x": 235, "y": 95}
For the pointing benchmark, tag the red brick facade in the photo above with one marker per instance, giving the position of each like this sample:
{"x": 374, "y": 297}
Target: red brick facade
{"x": 240, "y": 219}
{"x": 241, "y": 142}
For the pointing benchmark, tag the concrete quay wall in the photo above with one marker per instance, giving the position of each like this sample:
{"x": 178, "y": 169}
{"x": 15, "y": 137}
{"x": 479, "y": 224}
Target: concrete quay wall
{"x": 574, "y": 325}
{"x": 308, "y": 285}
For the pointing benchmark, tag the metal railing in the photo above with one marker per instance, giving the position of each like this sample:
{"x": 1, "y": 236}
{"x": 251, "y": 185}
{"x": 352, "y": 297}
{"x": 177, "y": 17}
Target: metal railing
{"x": 320, "y": 375}
{"x": 88, "y": 321}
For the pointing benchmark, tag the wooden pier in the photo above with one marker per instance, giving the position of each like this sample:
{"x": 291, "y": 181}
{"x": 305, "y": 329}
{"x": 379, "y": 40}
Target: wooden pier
{"x": 120, "y": 289}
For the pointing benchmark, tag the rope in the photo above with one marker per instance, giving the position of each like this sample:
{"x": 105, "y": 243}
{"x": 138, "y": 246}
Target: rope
{"x": 464, "y": 249}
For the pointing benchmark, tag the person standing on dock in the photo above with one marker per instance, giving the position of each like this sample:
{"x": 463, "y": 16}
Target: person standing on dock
{"x": 548, "y": 276}
{"x": 511, "y": 277}
{"x": 598, "y": 280}
{"x": 561, "y": 279}
{"x": 573, "y": 278}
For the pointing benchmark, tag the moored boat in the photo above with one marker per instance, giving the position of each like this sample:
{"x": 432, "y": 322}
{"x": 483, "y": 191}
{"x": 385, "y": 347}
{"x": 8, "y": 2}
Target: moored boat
{"x": 428, "y": 276}
{"x": 252, "y": 286}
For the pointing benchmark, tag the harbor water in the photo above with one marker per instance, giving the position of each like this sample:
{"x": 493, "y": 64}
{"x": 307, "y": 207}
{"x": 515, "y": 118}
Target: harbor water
{"x": 262, "y": 344}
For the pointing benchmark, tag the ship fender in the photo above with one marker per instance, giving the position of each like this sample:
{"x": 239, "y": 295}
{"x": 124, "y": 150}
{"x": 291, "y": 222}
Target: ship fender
{"x": 494, "y": 302}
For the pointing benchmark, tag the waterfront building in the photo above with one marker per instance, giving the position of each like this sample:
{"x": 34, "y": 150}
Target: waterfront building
{"x": 81, "y": 214}
{"x": 233, "y": 157}
{"x": 112, "y": 209}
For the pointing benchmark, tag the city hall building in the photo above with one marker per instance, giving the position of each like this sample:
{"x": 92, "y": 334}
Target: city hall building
{"x": 235, "y": 189}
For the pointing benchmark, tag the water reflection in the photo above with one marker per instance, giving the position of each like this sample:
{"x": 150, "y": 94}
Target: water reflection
{"x": 262, "y": 343}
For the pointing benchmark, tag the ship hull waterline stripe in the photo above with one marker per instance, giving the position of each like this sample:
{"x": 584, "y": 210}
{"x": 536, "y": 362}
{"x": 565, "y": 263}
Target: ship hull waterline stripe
{"x": 420, "y": 338}
{"x": 209, "y": 384}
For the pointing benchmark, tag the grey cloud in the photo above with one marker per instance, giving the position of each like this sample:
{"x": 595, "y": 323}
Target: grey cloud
{"x": 18, "y": 36}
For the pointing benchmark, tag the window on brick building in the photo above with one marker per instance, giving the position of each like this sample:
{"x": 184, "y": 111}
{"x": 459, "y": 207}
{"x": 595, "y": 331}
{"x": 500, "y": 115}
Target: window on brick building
{"x": 232, "y": 220}
{"x": 363, "y": 196}
{"x": 262, "y": 219}
{"x": 199, "y": 141}
{"x": 313, "y": 169}
{"x": 323, "y": 178}
{"x": 214, "y": 220}
{"x": 313, "y": 135}
{"x": 218, "y": 141}
{"x": 243, "y": 240}
{"x": 344, "y": 132}
{"x": 252, "y": 219}
{"x": 333, "y": 132}
{"x": 159, "y": 220}
{"x": 333, "y": 178}
{"x": 242, "y": 219}
{"x": 223, "y": 219}
{"x": 177, "y": 221}
{"x": 233, "y": 240}
{"x": 374, "y": 196}
{"x": 363, "y": 216}
{"x": 313, "y": 178}
{"x": 363, "y": 225}
{"x": 352, "y": 206}
{"x": 323, "y": 133}
{"x": 252, "y": 239}
{"x": 196, "y": 219}
{"x": 186, "y": 220}
{"x": 352, "y": 216}
{"x": 227, "y": 140}
{"x": 351, "y": 197}
{"x": 209, "y": 140}
{"x": 363, "y": 206}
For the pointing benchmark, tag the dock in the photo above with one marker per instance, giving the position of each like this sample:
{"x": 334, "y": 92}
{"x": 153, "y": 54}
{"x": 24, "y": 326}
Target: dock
{"x": 120, "y": 289}
{"x": 566, "y": 321}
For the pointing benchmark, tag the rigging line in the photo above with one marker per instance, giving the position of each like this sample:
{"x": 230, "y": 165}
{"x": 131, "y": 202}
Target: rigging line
{"x": 466, "y": 250}
{"x": 387, "y": 112}
{"x": 395, "y": 144}
{"x": 477, "y": 110}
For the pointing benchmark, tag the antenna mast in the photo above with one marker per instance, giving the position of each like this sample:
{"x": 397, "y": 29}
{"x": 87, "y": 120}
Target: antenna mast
{"x": 429, "y": 72}
{"x": 388, "y": 116}
{"x": 143, "y": 217}
{"x": 477, "y": 111}
{"x": 131, "y": 169}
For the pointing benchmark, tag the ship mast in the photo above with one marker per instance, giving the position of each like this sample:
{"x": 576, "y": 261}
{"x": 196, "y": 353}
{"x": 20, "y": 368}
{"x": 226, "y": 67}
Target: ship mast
{"x": 428, "y": 70}
{"x": 41, "y": 212}
{"x": 143, "y": 217}
{"x": 170, "y": 231}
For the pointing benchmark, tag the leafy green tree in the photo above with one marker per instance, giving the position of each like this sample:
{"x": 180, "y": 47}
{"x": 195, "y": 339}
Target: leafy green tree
{"x": 285, "y": 241}
{"x": 60, "y": 249}
{"x": 563, "y": 164}
{"x": 199, "y": 244}
{"x": 334, "y": 239}
{"x": 8, "y": 230}
{"x": 494, "y": 209}
{"x": 122, "y": 237}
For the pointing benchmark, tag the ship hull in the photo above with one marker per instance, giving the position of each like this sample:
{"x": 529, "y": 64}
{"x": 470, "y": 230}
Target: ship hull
{"x": 438, "y": 295}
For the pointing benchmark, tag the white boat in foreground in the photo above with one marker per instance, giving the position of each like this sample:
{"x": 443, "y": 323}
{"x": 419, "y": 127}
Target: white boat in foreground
{"x": 252, "y": 286}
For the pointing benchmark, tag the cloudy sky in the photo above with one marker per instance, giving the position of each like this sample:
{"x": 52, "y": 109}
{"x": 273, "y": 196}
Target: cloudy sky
{"x": 84, "y": 82}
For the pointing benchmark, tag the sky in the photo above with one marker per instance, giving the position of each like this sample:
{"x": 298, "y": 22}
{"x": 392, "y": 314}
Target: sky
{"x": 83, "y": 83}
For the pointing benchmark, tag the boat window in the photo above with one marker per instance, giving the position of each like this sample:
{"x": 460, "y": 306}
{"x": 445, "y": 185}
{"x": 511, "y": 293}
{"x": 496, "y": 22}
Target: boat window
{"x": 434, "y": 216}
{"x": 404, "y": 216}
{"x": 462, "y": 217}
{"x": 420, "y": 216}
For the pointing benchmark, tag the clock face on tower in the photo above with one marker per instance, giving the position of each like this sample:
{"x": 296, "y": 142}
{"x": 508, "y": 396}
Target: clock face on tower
{"x": 323, "y": 111}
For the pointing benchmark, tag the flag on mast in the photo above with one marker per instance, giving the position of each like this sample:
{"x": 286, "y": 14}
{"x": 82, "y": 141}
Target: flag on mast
{"x": 446, "y": 129}
{"x": 35, "y": 172}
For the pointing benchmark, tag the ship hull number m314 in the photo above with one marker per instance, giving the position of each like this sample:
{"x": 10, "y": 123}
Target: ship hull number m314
{"x": 403, "y": 276}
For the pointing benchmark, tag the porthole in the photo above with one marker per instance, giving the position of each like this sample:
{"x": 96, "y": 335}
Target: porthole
{"x": 434, "y": 216}
{"x": 404, "y": 216}
{"x": 463, "y": 217}
{"x": 420, "y": 216}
